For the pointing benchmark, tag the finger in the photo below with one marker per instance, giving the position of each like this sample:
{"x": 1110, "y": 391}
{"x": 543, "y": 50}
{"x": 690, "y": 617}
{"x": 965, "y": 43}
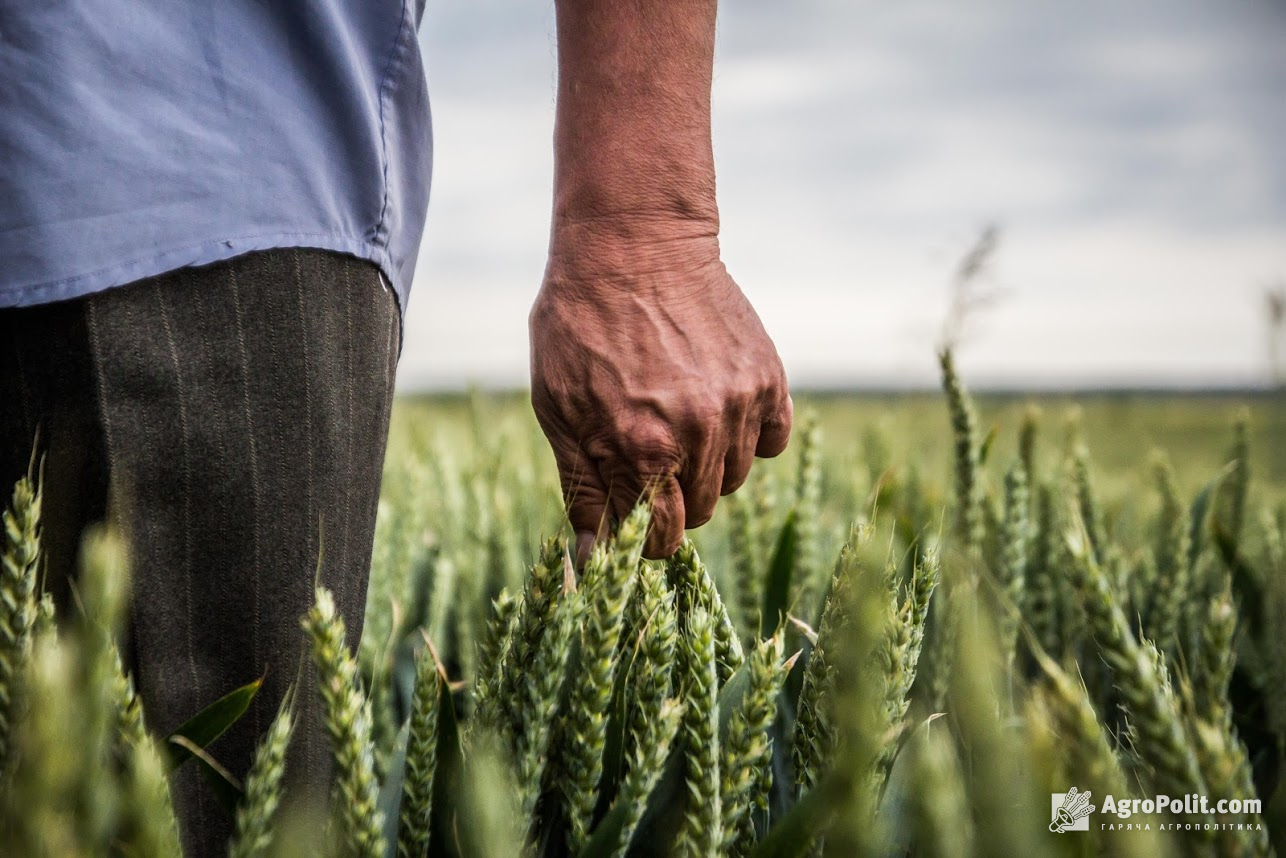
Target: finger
{"x": 585, "y": 542}
{"x": 774, "y": 431}
{"x": 585, "y": 496}
{"x": 664, "y": 493}
{"x": 700, "y": 495}
{"x": 702, "y": 477}
{"x": 736, "y": 464}
{"x": 623, "y": 493}
{"x": 665, "y": 534}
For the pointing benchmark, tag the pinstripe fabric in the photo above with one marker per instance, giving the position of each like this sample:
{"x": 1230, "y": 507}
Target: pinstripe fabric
{"x": 236, "y": 415}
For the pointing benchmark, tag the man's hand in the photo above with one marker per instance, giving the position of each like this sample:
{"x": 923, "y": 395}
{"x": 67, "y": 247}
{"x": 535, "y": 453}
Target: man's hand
{"x": 651, "y": 374}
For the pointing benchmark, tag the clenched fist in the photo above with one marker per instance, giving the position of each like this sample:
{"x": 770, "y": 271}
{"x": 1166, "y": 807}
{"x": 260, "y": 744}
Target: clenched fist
{"x": 651, "y": 376}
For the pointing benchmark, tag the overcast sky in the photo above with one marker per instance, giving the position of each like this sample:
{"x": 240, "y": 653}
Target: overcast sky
{"x": 1133, "y": 155}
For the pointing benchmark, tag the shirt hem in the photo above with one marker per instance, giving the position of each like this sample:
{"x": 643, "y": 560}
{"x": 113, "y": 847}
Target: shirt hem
{"x": 204, "y": 253}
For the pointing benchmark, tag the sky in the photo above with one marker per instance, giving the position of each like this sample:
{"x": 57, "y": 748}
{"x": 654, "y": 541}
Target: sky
{"x": 1132, "y": 156}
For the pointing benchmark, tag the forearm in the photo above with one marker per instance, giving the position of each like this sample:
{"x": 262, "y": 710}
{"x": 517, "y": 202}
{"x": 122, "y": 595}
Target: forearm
{"x": 651, "y": 374}
{"x": 632, "y": 130}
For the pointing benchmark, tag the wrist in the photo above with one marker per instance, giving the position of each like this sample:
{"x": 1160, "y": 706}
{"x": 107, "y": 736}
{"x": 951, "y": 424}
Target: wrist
{"x": 632, "y": 187}
{"x": 630, "y": 251}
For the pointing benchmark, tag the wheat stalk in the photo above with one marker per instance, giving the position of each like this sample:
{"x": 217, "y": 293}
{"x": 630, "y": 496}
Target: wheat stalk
{"x": 743, "y": 546}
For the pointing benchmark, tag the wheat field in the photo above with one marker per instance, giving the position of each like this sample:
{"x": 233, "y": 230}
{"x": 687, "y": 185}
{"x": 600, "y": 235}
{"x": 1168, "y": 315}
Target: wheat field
{"x": 906, "y": 636}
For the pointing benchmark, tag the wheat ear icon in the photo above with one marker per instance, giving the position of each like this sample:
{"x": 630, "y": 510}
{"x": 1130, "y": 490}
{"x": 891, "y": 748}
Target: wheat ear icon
{"x": 1075, "y": 805}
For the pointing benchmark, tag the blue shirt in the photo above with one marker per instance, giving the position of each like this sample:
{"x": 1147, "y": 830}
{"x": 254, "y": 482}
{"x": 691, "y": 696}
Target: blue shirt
{"x": 140, "y": 136}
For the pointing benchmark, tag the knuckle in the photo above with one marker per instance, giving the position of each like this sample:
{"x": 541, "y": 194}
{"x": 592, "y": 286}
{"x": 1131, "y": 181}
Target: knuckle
{"x": 650, "y": 449}
{"x": 708, "y": 411}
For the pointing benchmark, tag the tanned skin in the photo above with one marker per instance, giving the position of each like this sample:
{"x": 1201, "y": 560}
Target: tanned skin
{"x": 651, "y": 373}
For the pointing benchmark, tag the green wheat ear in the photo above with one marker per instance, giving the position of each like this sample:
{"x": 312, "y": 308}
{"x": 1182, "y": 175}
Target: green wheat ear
{"x": 103, "y": 587}
{"x": 701, "y": 830}
{"x": 130, "y": 727}
{"x": 1027, "y": 433}
{"x": 1233, "y": 493}
{"x": 147, "y": 812}
{"x": 964, "y": 425}
{"x": 1228, "y": 776}
{"x": 813, "y": 740}
{"x": 48, "y": 739}
{"x": 899, "y": 654}
{"x": 808, "y": 577}
{"x": 539, "y": 704}
{"x": 19, "y": 568}
{"x": 348, "y": 723}
{"x": 1091, "y": 511}
{"x": 1173, "y": 577}
{"x": 657, "y": 640}
{"x": 1141, "y": 678}
{"x": 610, "y": 578}
{"x": 148, "y": 804}
{"x": 694, "y": 586}
{"x": 1012, "y": 566}
{"x": 939, "y": 807}
{"x": 1216, "y": 660}
{"x": 1065, "y": 704}
{"x": 646, "y": 767}
{"x": 414, "y": 822}
{"x": 533, "y": 617}
{"x": 258, "y": 810}
{"x": 493, "y": 654}
{"x": 745, "y": 764}
{"x": 1044, "y": 582}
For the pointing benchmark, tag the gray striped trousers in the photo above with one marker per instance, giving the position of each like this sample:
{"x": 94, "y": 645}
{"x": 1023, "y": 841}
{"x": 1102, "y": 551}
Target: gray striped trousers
{"x": 232, "y": 420}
